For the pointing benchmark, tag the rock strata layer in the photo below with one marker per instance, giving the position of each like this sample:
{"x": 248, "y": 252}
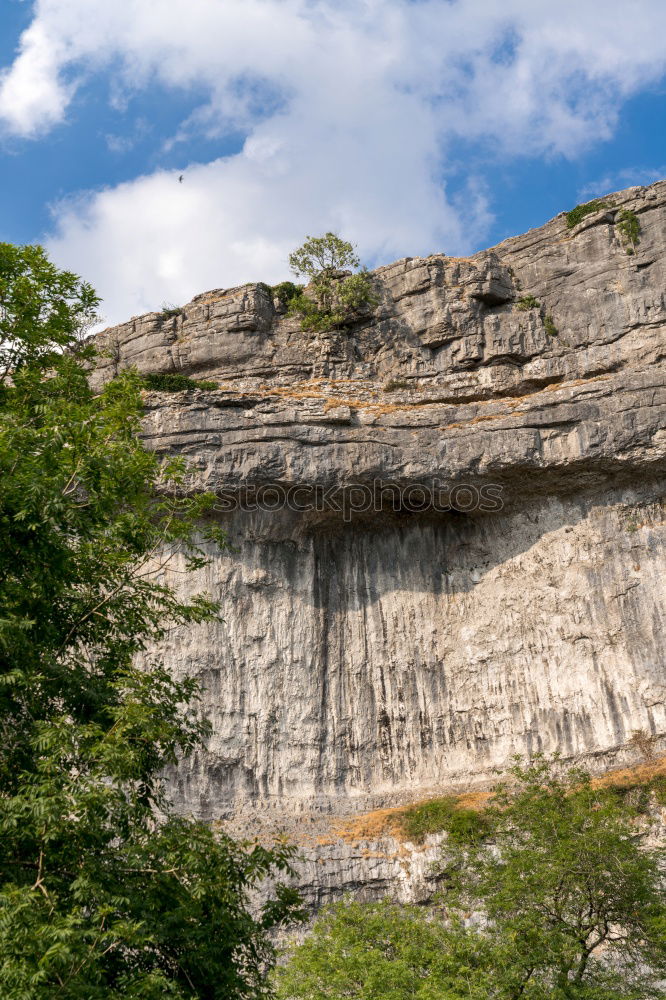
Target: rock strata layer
{"x": 374, "y": 646}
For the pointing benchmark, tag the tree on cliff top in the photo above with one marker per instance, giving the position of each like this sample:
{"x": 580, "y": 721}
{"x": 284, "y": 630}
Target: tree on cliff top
{"x": 332, "y": 300}
{"x": 320, "y": 255}
{"x": 99, "y": 898}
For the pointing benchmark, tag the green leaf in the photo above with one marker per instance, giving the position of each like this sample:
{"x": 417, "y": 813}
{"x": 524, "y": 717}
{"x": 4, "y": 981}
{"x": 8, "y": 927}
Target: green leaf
{"x": 99, "y": 898}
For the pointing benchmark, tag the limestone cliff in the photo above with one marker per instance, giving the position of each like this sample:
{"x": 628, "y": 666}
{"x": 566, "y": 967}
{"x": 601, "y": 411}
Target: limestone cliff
{"x": 373, "y": 656}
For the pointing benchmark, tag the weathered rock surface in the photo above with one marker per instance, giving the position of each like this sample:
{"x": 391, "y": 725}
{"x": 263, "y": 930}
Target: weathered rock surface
{"x": 377, "y": 656}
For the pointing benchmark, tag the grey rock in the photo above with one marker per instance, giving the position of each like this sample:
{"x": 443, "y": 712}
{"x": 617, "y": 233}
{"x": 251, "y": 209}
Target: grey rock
{"x": 379, "y": 656}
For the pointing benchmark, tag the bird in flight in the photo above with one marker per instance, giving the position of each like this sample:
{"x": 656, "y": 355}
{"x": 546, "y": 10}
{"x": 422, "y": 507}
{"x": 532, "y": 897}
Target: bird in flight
{"x": 180, "y": 179}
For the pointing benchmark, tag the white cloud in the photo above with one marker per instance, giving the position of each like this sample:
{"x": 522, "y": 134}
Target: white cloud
{"x": 32, "y": 93}
{"x": 366, "y": 99}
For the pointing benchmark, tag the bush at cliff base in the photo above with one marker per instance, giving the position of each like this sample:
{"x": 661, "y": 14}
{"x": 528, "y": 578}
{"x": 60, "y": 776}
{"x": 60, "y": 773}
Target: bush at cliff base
{"x": 98, "y": 897}
{"x": 562, "y": 898}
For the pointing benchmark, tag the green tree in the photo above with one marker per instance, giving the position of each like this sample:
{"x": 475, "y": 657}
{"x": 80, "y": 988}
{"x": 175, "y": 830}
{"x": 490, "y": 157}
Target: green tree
{"x": 332, "y": 299}
{"x": 42, "y": 309}
{"x": 384, "y": 951}
{"x": 574, "y": 901}
{"x": 103, "y": 893}
{"x": 322, "y": 254}
{"x": 553, "y": 897}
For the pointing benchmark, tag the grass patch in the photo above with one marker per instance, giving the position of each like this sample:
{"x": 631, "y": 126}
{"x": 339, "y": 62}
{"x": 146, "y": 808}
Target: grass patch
{"x": 428, "y": 817}
{"x": 578, "y": 213}
{"x": 168, "y": 311}
{"x": 174, "y": 382}
{"x": 463, "y": 826}
{"x": 528, "y": 302}
{"x": 549, "y": 326}
{"x": 397, "y": 383}
{"x": 467, "y": 826}
{"x": 629, "y": 228}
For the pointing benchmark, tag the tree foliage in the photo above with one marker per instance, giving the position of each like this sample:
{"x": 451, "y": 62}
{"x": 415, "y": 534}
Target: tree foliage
{"x": 332, "y": 299}
{"x": 574, "y": 901}
{"x": 385, "y": 951}
{"x": 558, "y": 899}
{"x": 285, "y": 291}
{"x": 322, "y": 254}
{"x": 42, "y": 309}
{"x": 98, "y": 897}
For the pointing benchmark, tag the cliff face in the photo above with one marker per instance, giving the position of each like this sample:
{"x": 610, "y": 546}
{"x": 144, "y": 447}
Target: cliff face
{"x": 376, "y": 646}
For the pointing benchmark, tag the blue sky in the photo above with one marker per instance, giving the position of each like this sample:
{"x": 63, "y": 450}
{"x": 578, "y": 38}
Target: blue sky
{"x": 409, "y": 126}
